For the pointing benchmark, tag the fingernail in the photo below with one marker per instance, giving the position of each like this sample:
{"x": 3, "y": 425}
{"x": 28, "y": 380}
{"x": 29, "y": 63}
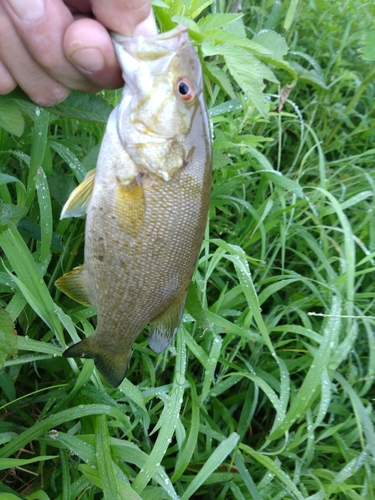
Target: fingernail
{"x": 89, "y": 60}
{"x": 29, "y": 11}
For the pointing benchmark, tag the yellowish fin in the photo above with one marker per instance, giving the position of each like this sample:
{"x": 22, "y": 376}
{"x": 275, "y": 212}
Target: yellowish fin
{"x": 75, "y": 285}
{"x": 164, "y": 328}
{"x": 79, "y": 199}
{"x": 112, "y": 365}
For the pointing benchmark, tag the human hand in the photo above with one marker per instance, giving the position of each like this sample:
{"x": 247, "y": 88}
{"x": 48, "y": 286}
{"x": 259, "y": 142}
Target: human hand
{"x": 49, "y": 47}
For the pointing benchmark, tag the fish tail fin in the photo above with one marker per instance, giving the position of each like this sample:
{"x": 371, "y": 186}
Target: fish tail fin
{"x": 112, "y": 365}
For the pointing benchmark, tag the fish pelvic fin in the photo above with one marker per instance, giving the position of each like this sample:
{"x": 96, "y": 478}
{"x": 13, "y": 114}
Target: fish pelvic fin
{"x": 79, "y": 199}
{"x": 112, "y": 365}
{"x": 75, "y": 285}
{"x": 164, "y": 328}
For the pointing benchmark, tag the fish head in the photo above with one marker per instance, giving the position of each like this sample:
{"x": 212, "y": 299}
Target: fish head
{"x": 163, "y": 91}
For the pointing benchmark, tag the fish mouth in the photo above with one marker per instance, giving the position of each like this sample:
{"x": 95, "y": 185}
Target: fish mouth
{"x": 153, "y": 47}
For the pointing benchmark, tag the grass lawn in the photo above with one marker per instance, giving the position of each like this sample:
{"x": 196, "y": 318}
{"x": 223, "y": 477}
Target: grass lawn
{"x": 267, "y": 391}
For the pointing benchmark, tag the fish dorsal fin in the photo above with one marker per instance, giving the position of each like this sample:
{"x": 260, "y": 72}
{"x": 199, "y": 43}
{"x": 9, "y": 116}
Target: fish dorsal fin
{"x": 112, "y": 365}
{"x": 75, "y": 284}
{"x": 164, "y": 328}
{"x": 79, "y": 199}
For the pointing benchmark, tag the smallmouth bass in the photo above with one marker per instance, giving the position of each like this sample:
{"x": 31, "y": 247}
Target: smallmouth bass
{"x": 146, "y": 202}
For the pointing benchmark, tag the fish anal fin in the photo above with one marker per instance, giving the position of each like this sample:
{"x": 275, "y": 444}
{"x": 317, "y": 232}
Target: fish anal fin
{"x": 75, "y": 285}
{"x": 112, "y": 365}
{"x": 164, "y": 328}
{"x": 79, "y": 199}
{"x": 130, "y": 202}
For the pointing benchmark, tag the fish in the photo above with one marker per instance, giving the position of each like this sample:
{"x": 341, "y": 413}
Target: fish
{"x": 146, "y": 203}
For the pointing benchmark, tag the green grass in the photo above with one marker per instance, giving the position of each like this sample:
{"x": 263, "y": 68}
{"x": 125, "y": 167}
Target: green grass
{"x": 267, "y": 391}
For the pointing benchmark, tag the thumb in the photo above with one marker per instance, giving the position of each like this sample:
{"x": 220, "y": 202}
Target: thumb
{"x": 127, "y": 17}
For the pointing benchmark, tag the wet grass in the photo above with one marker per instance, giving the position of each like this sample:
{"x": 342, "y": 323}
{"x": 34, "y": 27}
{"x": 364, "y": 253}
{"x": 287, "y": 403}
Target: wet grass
{"x": 268, "y": 393}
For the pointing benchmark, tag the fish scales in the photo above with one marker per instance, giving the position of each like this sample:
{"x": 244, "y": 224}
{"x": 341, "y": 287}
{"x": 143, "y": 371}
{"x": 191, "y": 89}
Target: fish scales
{"x": 148, "y": 203}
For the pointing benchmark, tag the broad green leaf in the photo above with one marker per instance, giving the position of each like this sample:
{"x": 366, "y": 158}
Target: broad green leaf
{"x": 10, "y": 215}
{"x": 82, "y": 106}
{"x": 11, "y": 118}
{"x": 216, "y": 21}
{"x": 8, "y": 337}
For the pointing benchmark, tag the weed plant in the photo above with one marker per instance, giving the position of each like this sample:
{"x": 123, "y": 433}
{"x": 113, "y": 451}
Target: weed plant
{"x": 267, "y": 391}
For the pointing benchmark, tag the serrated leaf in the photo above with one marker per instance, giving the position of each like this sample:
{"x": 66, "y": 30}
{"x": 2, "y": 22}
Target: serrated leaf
{"x": 238, "y": 41}
{"x": 220, "y": 160}
{"x": 197, "y": 6}
{"x": 81, "y": 106}
{"x": 237, "y": 27}
{"x": 272, "y": 41}
{"x": 216, "y": 21}
{"x": 9, "y": 215}
{"x": 367, "y": 50}
{"x": 8, "y": 337}
{"x": 159, "y": 3}
{"x": 310, "y": 76}
{"x": 245, "y": 69}
{"x": 267, "y": 73}
{"x": 192, "y": 25}
{"x": 11, "y": 118}
{"x": 220, "y": 78}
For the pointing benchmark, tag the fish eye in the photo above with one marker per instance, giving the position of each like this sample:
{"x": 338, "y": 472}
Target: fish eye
{"x": 185, "y": 89}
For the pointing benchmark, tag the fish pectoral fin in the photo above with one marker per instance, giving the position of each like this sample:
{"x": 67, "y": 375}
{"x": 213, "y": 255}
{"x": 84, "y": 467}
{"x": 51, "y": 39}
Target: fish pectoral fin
{"x": 79, "y": 199}
{"x": 75, "y": 285}
{"x": 112, "y": 365}
{"x": 130, "y": 201}
{"x": 164, "y": 328}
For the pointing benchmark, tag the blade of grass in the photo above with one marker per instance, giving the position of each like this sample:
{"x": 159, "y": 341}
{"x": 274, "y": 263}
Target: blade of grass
{"x": 212, "y": 463}
{"x": 104, "y": 459}
{"x": 170, "y": 414}
{"x": 45, "y": 208}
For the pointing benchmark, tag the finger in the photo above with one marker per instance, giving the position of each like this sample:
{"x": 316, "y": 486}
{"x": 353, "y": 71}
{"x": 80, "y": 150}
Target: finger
{"x": 88, "y": 46}
{"x": 41, "y": 25}
{"x": 7, "y": 82}
{"x": 40, "y": 87}
{"x": 128, "y": 17}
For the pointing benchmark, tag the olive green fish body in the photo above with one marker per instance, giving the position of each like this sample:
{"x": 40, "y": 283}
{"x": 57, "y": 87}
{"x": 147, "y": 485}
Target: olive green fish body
{"x": 148, "y": 203}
